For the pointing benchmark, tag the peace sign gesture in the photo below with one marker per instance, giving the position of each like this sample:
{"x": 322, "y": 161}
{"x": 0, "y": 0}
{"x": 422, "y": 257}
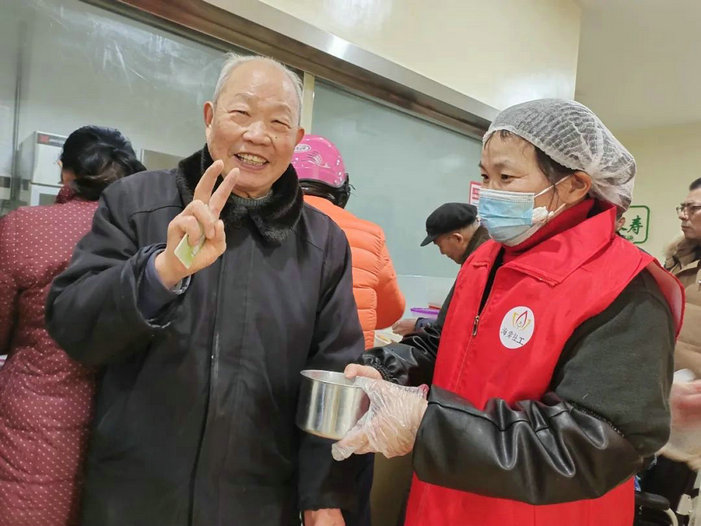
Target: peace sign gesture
{"x": 200, "y": 222}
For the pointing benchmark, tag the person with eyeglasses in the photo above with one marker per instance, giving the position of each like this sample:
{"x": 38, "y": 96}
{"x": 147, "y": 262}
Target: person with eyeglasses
{"x": 683, "y": 259}
{"x": 673, "y": 474}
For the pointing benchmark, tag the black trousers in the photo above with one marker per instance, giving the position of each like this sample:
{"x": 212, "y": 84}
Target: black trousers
{"x": 361, "y": 516}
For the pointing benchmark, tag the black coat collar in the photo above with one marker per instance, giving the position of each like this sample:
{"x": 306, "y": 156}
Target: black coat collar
{"x": 273, "y": 221}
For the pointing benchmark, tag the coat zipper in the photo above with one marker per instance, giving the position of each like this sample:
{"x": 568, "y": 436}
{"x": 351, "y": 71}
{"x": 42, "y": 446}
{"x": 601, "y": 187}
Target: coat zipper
{"x": 213, "y": 375}
{"x": 485, "y": 300}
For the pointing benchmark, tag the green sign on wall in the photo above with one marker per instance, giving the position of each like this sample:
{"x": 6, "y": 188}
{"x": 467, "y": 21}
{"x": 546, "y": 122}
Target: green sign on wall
{"x": 636, "y": 225}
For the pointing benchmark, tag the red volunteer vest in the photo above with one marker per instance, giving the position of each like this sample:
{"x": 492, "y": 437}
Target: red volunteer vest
{"x": 510, "y": 351}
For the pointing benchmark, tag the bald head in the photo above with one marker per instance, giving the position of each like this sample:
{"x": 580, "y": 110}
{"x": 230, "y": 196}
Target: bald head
{"x": 258, "y": 63}
{"x": 253, "y": 125}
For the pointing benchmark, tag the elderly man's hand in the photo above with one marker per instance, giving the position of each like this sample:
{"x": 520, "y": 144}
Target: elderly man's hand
{"x": 352, "y": 370}
{"x": 405, "y": 326}
{"x": 390, "y": 425}
{"x": 325, "y": 517}
{"x": 199, "y": 220}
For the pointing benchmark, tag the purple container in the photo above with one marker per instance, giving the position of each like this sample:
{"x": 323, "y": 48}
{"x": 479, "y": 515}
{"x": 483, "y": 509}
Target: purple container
{"x": 426, "y": 313}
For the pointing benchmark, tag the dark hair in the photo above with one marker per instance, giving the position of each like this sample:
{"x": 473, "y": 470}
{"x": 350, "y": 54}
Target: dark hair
{"x": 97, "y": 156}
{"x": 553, "y": 170}
{"x": 338, "y": 196}
{"x": 695, "y": 185}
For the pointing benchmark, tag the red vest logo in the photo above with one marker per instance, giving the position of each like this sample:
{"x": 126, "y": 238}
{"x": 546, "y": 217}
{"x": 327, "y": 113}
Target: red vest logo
{"x": 517, "y": 327}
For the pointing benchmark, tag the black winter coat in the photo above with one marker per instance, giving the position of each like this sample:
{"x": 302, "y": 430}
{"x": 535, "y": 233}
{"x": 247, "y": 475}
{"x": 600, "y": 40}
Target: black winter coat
{"x": 195, "y": 411}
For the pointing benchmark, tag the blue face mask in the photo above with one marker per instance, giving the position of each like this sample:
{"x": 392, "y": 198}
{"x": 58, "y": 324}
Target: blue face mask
{"x": 511, "y": 217}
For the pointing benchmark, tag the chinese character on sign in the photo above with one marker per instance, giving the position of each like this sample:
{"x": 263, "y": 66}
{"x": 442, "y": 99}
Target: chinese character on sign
{"x": 474, "y": 193}
{"x": 636, "y": 224}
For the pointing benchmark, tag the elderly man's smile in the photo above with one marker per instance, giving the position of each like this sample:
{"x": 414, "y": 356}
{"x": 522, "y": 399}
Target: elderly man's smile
{"x": 251, "y": 160}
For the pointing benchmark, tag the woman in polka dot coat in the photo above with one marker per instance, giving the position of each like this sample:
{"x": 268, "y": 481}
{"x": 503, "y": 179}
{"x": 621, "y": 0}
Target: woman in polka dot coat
{"x": 45, "y": 397}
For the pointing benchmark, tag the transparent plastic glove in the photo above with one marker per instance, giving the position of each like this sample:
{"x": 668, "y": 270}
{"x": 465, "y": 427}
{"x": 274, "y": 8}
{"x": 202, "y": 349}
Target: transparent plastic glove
{"x": 685, "y": 437}
{"x": 390, "y": 425}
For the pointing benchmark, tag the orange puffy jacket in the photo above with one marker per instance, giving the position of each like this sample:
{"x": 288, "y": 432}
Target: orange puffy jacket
{"x": 377, "y": 295}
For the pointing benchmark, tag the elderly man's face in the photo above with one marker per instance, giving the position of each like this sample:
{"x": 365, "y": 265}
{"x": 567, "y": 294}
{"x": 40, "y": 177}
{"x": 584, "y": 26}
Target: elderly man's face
{"x": 451, "y": 245}
{"x": 690, "y": 215}
{"x": 253, "y": 126}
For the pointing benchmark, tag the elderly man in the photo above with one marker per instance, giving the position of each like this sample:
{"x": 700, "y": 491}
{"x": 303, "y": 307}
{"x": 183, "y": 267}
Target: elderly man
{"x": 454, "y": 229}
{"x": 195, "y": 413}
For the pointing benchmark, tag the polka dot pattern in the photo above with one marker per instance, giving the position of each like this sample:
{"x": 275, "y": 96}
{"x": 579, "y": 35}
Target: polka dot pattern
{"x": 45, "y": 397}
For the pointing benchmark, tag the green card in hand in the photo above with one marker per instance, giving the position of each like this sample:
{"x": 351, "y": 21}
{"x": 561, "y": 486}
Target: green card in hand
{"x": 185, "y": 253}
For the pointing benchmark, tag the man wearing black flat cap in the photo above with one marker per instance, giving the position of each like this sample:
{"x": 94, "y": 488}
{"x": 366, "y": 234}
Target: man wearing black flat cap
{"x": 454, "y": 229}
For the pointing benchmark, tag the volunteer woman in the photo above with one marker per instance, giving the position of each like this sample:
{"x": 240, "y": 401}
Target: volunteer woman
{"x": 550, "y": 377}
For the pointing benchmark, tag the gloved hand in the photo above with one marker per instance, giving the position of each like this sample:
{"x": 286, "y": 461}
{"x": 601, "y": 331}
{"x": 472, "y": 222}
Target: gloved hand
{"x": 685, "y": 438}
{"x": 391, "y": 423}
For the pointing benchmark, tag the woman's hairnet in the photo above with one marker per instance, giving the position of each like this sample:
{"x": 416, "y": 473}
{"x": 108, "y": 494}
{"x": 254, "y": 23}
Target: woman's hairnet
{"x": 573, "y": 136}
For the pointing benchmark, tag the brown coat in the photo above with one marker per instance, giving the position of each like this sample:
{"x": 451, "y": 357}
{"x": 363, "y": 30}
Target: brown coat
{"x": 683, "y": 259}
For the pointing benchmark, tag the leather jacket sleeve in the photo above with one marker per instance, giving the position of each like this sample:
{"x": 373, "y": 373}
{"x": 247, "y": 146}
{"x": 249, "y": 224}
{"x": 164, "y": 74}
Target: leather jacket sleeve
{"x": 411, "y": 361}
{"x": 540, "y": 452}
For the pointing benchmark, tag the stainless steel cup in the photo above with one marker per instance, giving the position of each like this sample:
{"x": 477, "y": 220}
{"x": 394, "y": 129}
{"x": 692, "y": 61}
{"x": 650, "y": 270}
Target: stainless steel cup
{"x": 329, "y": 404}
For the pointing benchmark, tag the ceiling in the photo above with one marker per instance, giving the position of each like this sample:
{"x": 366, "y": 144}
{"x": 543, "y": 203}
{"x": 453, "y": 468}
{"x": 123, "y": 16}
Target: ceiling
{"x": 640, "y": 62}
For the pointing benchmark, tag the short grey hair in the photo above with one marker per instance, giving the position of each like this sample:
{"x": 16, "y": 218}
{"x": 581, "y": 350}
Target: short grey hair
{"x": 233, "y": 61}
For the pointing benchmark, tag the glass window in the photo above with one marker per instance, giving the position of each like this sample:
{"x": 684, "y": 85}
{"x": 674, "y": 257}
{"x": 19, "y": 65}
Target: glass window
{"x": 73, "y": 64}
{"x": 65, "y": 64}
{"x": 402, "y": 168}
